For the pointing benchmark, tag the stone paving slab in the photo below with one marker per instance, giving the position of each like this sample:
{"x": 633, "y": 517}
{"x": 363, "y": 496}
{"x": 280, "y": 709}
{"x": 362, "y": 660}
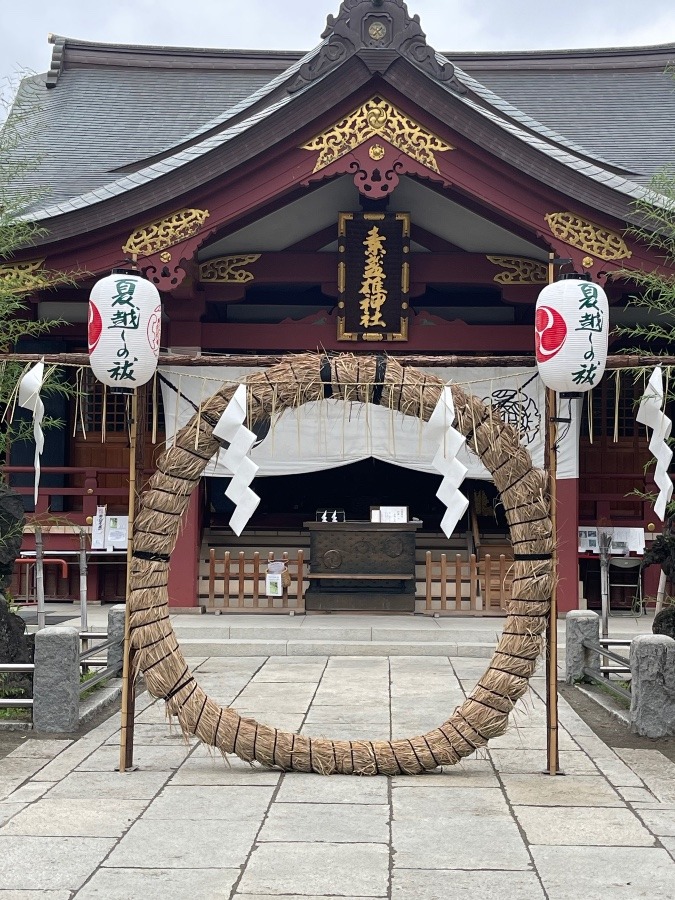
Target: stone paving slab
{"x": 165, "y": 844}
{"x": 109, "y": 786}
{"x": 236, "y": 803}
{"x": 72, "y": 818}
{"x": 35, "y": 895}
{"x": 571, "y": 790}
{"x": 576, "y": 825}
{"x": 50, "y": 863}
{"x": 159, "y": 884}
{"x": 39, "y": 749}
{"x": 327, "y": 822}
{"x": 605, "y": 873}
{"x": 442, "y": 884}
{"x": 190, "y": 824}
{"x": 341, "y": 870}
{"x": 303, "y": 788}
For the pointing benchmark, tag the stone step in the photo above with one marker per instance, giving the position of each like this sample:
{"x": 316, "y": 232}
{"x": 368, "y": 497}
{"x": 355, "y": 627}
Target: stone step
{"x": 306, "y": 632}
{"x": 202, "y": 647}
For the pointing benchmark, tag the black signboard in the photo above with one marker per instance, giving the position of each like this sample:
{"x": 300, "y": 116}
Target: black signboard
{"x": 373, "y": 276}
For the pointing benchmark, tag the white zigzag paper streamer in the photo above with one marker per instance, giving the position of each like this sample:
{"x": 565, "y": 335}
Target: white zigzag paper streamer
{"x": 29, "y": 398}
{"x": 445, "y": 461}
{"x": 231, "y": 428}
{"x": 651, "y": 414}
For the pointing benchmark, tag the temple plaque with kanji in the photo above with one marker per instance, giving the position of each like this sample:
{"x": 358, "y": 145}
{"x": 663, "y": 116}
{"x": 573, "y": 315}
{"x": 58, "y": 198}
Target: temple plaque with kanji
{"x": 373, "y": 276}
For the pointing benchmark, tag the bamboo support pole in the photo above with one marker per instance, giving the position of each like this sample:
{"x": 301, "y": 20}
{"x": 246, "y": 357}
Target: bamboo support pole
{"x": 421, "y": 361}
{"x": 551, "y": 407}
{"x": 127, "y": 713}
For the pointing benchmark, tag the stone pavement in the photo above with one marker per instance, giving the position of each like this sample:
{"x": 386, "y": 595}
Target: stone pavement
{"x": 188, "y": 825}
{"x": 233, "y": 634}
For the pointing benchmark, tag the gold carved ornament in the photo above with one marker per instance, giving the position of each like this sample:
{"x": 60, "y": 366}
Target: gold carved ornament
{"x": 25, "y": 275}
{"x": 377, "y": 118}
{"x": 228, "y": 269}
{"x": 163, "y": 233}
{"x": 519, "y": 270}
{"x": 587, "y": 236}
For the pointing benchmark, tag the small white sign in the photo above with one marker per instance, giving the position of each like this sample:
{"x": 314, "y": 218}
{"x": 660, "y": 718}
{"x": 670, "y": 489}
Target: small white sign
{"x": 117, "y": 532}
{"x": 273, "y": 585}
{"x": 98, "y": 529}
{"x": 393, "y": 514}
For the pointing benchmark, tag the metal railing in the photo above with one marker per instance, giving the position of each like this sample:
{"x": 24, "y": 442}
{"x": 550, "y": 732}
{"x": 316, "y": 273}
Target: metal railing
{"x": 14, "y": 669}
{"x": 88, "y": 658}
{"x": 623, "y": 667}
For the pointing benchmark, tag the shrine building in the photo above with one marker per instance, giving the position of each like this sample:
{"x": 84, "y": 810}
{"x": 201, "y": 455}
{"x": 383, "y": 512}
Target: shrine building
{"x": 371, "y": 196}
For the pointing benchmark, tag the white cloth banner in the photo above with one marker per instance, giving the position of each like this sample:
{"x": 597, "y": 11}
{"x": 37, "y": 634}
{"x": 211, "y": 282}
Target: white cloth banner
{"x": 29, "y": 398}
{"x": 324, "y": 434}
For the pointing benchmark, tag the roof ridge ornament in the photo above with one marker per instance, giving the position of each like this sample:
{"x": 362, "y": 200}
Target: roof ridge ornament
{"x": 379, "y": 31}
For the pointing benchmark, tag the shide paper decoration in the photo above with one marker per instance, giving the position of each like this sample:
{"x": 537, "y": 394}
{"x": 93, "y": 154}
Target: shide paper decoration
{"x": 125, "y": 321}
{"x": 29, "y": 398}
{"x": 231, "y": 429}
{"x": 651, "y": 414}
{"x": 445, "y": 461}
{"x": 571, "y": 334}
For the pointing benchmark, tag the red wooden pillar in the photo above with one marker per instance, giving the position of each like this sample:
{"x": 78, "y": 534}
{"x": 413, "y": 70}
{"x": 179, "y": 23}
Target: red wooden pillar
{"x": 184, "y": 565}
{"x": 567, "y": 543}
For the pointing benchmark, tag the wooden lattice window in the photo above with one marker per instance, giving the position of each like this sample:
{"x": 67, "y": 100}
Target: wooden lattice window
{"x": 95, "y": 397}
{"x": 610, "y": 415}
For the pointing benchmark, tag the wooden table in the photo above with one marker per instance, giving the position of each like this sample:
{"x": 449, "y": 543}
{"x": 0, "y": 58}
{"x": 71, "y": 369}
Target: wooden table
{"x": 364, "y": 566}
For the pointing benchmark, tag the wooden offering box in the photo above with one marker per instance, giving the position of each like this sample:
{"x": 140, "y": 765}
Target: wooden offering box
{"x": 362, "y": 566}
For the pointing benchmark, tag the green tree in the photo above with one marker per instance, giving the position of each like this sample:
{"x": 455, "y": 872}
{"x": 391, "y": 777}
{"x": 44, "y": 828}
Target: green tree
{"x": 17, "y": 283}
{"x": 654, "y": 334}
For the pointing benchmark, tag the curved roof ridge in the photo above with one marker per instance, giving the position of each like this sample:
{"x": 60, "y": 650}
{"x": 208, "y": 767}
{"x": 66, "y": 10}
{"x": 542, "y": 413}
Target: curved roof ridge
{"x": 528, "y": 121}
{"x": 588, "y": 169}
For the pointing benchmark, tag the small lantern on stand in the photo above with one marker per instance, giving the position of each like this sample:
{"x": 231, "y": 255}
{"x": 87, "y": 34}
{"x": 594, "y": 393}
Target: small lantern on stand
{"x": 124, "y": 330}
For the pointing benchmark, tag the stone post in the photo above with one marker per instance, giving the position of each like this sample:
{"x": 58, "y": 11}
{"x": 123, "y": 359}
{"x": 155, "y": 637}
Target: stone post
{"x": 652, "y": 705}
{"x": 56, "y": 681}
{"x": 115, "y": 658}
{"x": 580, "y": 625}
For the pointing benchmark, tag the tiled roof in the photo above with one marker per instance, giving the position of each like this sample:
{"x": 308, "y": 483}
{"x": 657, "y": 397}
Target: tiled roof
{"x": 120, "y": 116}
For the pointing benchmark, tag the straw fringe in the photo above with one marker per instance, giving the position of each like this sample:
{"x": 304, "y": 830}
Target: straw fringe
{"x": 484, "y": 714}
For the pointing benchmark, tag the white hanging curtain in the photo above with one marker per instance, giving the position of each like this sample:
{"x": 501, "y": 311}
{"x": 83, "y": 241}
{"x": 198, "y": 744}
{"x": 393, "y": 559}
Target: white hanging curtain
{"x": 329, "y": 433}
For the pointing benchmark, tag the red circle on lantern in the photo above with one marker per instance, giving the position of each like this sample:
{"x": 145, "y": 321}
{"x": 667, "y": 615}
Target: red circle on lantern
{"x": 550, "y": 333}
{"x": 155, "y": 330}
{"x": 94, "y": 327}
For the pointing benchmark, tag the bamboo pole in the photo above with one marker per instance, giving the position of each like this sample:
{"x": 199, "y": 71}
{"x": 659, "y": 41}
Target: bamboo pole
{"x": 127, "y": 713}
{"x": 420, "y": 361}
{"x": 551, "y": 408}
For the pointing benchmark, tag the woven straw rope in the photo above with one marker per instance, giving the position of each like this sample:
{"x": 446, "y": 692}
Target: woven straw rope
{"x": 523, "y": 492}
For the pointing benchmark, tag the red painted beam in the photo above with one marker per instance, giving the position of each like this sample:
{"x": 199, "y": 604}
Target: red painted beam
{"x": 321, "y": 268}
{"x": 448, "y": 337}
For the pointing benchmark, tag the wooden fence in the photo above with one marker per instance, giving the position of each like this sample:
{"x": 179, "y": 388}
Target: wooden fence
{"x": 459, "y": 586}
{"x": 467, "y": 585}
{"x": 238, "y": 584}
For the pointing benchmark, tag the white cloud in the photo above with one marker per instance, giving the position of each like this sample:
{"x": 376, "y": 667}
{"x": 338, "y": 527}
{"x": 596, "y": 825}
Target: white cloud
{"x": 297, "y": 24}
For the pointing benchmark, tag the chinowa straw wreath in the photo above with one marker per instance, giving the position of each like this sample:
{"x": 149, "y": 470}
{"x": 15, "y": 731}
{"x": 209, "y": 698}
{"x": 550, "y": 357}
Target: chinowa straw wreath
{"x": 289, "y": 384}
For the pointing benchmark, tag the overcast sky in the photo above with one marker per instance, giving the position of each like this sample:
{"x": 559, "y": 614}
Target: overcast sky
{"x": 297, "y": 24}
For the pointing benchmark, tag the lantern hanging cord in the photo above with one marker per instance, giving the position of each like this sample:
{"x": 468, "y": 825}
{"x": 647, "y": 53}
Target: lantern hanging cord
{"x": 567, "y": 421}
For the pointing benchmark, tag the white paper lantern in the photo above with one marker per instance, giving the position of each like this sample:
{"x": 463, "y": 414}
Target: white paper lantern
{"x": 125, "y": 321}
{"x": 571, "y": 334}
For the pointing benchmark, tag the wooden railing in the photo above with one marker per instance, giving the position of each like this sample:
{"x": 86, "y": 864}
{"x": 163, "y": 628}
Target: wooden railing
{"x": 467, "y": 585}
{"x": 83, "y": 498}
{"x": 238, "y": 583}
